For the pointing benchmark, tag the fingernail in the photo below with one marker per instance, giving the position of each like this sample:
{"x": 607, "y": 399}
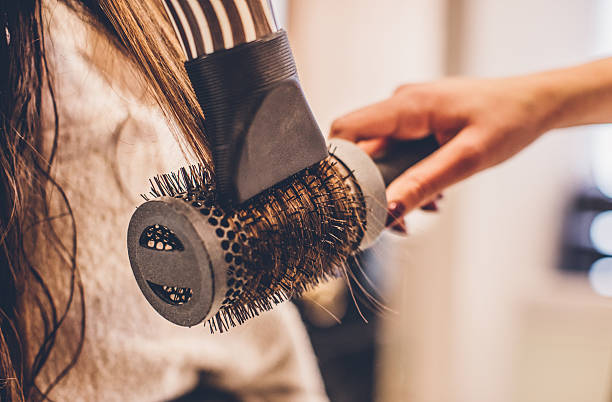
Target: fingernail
{"x": 395, "y": 210}
{"x": 399, "y": 227}
{"x": 430, "y": 207}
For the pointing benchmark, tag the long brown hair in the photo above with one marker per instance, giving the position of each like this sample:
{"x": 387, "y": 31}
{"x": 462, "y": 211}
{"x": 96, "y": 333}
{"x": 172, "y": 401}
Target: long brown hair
{"x": 141, "y": 31}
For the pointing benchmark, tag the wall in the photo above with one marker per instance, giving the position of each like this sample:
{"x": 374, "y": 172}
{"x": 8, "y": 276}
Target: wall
{"x": 523, "y": 331}
{"x": 481, "y": 313}
{"x": 349, "y": 54}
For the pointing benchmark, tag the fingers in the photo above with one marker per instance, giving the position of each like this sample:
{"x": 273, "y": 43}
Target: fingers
{"x": 459, "y": 158}
{"x": 401, "y": 117}
{"x": 431, "y": 206}
{"x": 399, "y": 226}
{"x": 377, "y": 120}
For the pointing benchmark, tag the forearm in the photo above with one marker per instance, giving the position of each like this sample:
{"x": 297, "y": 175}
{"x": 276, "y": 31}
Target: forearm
{"x": 577, "y": 95}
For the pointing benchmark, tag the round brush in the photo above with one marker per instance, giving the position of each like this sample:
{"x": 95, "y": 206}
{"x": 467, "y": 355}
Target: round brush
{"x": 194, "y": 260}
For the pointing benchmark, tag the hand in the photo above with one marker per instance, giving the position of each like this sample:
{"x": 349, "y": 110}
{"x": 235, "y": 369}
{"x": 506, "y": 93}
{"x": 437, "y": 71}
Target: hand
{"x": 478, "y": 123}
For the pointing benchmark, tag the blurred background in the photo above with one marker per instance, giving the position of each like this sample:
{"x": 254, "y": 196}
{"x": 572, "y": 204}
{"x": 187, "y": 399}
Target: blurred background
{"x": 503, "y": 295}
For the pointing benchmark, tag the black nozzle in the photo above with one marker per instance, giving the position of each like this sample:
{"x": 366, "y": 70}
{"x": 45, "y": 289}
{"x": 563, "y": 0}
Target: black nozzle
{"x": 261, "y": 127}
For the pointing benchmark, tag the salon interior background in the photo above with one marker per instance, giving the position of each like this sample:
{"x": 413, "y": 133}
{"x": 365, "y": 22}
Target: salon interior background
{"x": 483, "y": 310}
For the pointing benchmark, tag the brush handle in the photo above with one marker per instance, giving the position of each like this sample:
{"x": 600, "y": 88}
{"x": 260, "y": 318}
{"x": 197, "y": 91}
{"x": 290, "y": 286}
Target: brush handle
{"x": 402, "y": 155}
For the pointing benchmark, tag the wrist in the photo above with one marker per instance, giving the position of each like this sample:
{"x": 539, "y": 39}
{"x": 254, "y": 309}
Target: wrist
{"x": 575, "y": 96}
{"x": 550, "y": 98}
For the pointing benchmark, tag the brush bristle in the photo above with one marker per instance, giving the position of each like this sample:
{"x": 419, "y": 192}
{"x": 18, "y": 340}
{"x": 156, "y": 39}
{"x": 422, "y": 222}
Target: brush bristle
{"x": 283, "y": 241}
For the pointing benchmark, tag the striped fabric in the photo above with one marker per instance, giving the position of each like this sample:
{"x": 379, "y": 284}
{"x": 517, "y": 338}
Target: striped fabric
{"x": 206, "y": 26}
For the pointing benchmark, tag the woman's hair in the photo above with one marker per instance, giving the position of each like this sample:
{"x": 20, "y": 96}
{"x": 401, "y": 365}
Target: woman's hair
{"x": 141, "y": 31}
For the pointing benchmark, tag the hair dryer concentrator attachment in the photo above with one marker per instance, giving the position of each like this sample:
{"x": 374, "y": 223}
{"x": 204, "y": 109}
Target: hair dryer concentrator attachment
{"x": 261, "y": 126}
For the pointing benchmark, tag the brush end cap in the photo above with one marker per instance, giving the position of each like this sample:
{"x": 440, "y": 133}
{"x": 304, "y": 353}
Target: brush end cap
{"x": 371, "y": 184}
{"x": 173, "y": 259}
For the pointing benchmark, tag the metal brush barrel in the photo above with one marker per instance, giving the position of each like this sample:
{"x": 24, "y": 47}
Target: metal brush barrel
{"x": 185, "y": 251}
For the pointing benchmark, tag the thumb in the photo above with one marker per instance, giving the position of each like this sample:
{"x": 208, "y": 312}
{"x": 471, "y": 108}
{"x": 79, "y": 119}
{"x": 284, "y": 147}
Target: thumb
{"x": 458, "y": 159}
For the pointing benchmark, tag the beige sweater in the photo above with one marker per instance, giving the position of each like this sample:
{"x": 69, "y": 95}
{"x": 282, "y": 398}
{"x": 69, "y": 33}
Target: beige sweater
{"x": 111, "y": 142}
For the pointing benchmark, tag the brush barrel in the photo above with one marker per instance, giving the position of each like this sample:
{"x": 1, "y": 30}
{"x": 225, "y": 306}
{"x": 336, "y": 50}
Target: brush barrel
{"x": 182, "y": 248}
{"x": 261, "y": 127}
{"x": 186, "y": 252}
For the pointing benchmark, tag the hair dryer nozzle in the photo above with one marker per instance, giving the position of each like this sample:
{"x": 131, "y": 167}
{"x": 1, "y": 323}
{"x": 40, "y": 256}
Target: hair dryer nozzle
{"x": 261, "y": 126}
